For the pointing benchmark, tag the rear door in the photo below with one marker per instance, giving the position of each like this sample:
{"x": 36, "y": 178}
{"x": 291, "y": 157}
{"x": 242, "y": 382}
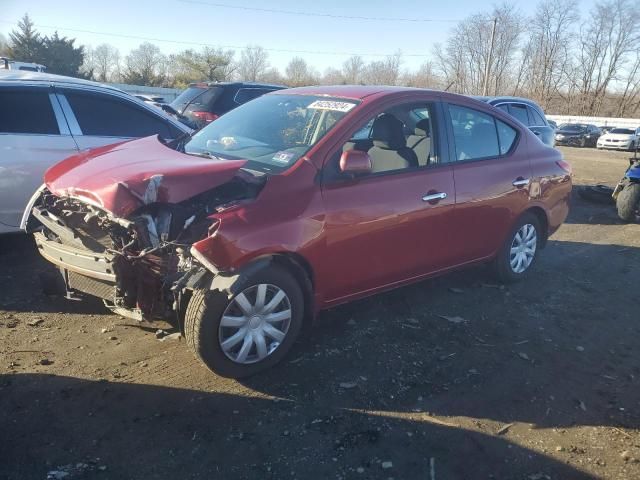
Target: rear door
{"x": 97, "y": 119}
{"x": 33, "y": 136}
{"x": 492, "y": 174}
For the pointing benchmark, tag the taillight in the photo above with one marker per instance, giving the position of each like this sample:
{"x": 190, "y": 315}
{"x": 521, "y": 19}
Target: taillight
{"x": 206, "y": 116}
{"x": 564, "y": 165}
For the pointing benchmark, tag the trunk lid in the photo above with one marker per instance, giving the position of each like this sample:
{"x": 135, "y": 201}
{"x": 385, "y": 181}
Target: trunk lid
{"x": 122, "y": 177}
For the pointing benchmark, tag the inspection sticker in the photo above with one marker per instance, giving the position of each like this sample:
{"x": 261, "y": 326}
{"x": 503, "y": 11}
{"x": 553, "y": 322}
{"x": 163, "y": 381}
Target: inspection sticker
{"x": 282, "y": 157}
{"x": 332, "y": 105}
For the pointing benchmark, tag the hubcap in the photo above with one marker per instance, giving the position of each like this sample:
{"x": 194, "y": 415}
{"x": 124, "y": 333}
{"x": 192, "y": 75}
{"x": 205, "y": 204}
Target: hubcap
{"x": 255, "y": 323}
{"x": 523, "y": 248}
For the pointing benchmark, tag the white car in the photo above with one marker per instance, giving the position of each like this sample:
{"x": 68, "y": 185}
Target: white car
{"x": 47, "y": 118}
{"x": 620, "y": 139}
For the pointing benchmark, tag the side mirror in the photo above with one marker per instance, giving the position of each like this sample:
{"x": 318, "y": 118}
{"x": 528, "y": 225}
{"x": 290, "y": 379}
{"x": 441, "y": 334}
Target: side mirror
{"x": 355, "y": 162}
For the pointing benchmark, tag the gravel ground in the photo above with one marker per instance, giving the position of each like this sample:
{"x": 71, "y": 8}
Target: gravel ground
{"x": 539, "y": 380}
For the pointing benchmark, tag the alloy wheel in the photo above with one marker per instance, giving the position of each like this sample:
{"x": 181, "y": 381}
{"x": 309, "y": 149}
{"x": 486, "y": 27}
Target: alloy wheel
{"x": 255, "y": 323}
{"x": 523, "y": 248}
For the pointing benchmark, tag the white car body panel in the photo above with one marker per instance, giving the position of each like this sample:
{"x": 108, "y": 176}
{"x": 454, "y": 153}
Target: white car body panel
{"x": 23, "y": 160}
{"x": 25, "y": 157}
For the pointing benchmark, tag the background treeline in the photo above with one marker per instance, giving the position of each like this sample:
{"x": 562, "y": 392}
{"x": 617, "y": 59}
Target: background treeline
{"x": 571, "y": 62}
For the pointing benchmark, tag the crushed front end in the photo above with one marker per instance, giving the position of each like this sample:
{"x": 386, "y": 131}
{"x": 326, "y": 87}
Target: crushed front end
{"x": 137, "y": 265}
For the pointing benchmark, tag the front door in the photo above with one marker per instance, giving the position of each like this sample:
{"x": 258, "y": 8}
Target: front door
{"x": 390, "y": 225}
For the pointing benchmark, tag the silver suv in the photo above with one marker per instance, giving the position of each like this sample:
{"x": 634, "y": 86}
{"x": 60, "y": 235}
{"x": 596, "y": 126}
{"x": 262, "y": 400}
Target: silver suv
{"x": 46, "y": 118}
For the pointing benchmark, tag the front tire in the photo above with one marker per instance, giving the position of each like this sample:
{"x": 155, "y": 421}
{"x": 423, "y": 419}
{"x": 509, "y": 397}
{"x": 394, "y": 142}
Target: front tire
{"x": 628, "y": 202}
{"x": 250, "y": 331}
{"x": 520, "y": 250}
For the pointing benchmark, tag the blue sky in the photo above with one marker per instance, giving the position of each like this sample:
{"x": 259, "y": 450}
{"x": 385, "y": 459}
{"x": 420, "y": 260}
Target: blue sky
{"x": 200, "y": 22}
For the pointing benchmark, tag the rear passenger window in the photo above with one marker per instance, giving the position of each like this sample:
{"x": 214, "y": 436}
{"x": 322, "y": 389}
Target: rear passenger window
{"x": 475, "y": 135}
{"x": 519, "y": 112}
{"x": 27, "y": 112}
{"x": 106, "y": 116}
{"x": 506, "y": 136}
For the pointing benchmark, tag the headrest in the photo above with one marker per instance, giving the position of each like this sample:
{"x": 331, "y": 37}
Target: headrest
{"x": 387, "y": 132}
{"x": 422, "y": 128}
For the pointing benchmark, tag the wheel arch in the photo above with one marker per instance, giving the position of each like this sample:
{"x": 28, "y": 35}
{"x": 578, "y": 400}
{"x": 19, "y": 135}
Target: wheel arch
{"x": 542, "y": 217}
{"x": 293, "y": 263}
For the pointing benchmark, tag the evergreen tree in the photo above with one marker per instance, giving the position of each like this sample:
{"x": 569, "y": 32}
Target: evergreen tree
{"x": 61, "y": 57}
{"x": 26, "y": 42}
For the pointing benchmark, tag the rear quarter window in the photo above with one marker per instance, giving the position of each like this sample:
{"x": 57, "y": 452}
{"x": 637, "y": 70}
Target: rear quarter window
{"x": 27, "y": 112}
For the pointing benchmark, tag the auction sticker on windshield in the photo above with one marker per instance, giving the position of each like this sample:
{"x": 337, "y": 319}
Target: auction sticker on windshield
{"x": 332, "y": 105}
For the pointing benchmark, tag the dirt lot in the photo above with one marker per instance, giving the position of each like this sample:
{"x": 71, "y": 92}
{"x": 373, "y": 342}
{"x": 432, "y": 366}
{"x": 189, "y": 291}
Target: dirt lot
{"x": 541, "y": 380}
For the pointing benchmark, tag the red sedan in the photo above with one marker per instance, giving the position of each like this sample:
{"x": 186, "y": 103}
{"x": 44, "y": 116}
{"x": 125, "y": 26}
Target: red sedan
{"x": 295, "y": 202}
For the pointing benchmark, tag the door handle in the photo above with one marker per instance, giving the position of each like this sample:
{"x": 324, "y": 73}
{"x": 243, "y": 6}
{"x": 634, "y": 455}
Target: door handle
{"x": 434, "y": 197}
{"x": 520, "y": 182}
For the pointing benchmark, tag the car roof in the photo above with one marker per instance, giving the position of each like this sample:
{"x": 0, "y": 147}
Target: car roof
{"x": 25, "y": 77}
{"x": 355, "y": 92}
{"x": 505, "y": 99}
{"x": 235, "y": 84}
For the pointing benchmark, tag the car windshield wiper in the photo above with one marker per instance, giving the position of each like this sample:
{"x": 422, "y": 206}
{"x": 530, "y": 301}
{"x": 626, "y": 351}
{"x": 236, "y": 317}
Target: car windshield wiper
{"x": 203, "y": 154}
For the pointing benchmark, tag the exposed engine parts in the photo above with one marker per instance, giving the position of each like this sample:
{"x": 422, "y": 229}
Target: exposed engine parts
{"x": 133, "y": 264}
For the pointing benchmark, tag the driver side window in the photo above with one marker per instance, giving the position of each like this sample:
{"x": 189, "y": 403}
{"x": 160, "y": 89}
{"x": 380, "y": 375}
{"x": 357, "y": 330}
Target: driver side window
{"x": 397, "y": 139}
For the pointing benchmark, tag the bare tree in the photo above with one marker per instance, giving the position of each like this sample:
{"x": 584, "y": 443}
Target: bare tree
{"x": 144, "y": 66}
{"x": 253, "y": 63}
{"x": 629, "y": 101}
{"x": 299, "y": 73}
{"x": 332, "y": 76}
{"x": 4, "y": 46}
{"x": 465, "y": 57}
{"x": 272, "y": 75}
{"x": 104, "y": 62}
{"x": 424, "y": 77}
{"x": 546, "y": 56}
{"x": 610, "y": 36}
{"x": 384, "y": 72}
{"x": 353, "y": 70}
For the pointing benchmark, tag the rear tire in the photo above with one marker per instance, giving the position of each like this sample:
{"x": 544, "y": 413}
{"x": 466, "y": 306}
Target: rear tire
{"x": 519, "y": 244}
{"x": 206, "y": 309}
{"x": 628, "y": 202}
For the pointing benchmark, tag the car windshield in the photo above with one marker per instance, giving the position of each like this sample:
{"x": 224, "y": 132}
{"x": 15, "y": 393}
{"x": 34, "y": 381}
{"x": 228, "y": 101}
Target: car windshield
{"x": 624, "y": 131}
{"x": 272, "y": 132}
{"x": 572, "y": 127}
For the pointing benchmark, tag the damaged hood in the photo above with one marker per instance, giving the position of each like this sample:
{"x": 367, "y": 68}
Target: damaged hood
{"x": 122, "y": 177}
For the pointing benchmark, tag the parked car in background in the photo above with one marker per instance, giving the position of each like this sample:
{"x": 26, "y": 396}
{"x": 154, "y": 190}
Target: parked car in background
{"x": 9, "y": 64}
{"x": 295, "y": 202}
{"x": 606, "y": 129}
{"x": 620, "y": 139}
{"x": 154, "y": 100}
{"x": 526, "y": 111}
{"x": 577, "y": 135}
{"x": 45, "y": 118}
{"x": 204, "y": 102}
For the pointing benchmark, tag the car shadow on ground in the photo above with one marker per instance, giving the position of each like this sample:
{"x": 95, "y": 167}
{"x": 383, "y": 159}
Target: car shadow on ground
{"x": 108, "y": 430}
{"x": 555, "y": 351}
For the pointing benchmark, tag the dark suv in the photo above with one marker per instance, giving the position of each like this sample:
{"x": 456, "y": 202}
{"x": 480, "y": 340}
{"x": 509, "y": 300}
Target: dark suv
{"x": 203, "y": 102}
